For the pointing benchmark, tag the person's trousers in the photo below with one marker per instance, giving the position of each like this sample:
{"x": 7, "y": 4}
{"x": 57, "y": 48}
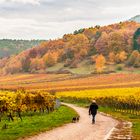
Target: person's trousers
{"x": 93, "y": 118}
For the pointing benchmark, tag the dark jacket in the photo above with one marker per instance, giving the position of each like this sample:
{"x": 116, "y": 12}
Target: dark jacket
{"x": 93, "y": 109}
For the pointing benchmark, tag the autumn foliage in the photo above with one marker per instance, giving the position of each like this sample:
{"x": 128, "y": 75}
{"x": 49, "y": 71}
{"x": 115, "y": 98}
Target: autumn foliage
{"x": 100, "y": 63}
{"x": 114, "y": 43}
{"x": 12, "y": 103}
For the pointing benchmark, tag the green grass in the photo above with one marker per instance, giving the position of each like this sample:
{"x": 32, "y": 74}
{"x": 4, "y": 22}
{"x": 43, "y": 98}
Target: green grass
{"x": 118, "y": 115}
{"x": 34, "y": 124}
{"x": 83, "y": 68}
{"x": 86, "y": 68}
{"x": 56, "y": 67}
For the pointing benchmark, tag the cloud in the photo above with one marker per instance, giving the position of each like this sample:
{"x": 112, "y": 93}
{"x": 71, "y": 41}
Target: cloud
{"x": 33, "y": 2}
{"x": 47, "y": 19}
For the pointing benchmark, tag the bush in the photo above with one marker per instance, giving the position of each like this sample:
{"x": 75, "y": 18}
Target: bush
{"x": 119, "y": 67}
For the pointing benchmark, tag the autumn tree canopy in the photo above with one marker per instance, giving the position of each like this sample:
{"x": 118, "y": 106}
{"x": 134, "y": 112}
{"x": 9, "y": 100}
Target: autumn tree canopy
{"x": 110, "y": 44}
{"x": 100, "y": 63}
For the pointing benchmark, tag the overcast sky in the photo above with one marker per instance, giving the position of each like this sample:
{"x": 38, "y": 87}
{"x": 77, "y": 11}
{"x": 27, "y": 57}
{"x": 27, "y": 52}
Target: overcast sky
{"x": 49, "y": 19}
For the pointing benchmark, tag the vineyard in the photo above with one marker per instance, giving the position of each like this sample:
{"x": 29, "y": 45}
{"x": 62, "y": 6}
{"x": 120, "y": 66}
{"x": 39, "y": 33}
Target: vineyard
{"x": 119, "y": 99}
{"x": 118, "y": 92}
{"x": 15, "y": 104}
{"x": 68, "y": 82}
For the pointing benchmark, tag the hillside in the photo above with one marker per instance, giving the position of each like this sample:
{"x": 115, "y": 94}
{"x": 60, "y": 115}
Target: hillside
{"x": 90, "y": 50}
{"x": 9, "y": 47}
{"x": 135, "y": 18}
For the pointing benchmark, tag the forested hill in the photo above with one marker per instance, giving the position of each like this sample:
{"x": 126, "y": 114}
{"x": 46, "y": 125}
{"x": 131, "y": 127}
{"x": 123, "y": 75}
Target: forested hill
{"x": 94, "y": 49}
{"x": 9, "y": 47}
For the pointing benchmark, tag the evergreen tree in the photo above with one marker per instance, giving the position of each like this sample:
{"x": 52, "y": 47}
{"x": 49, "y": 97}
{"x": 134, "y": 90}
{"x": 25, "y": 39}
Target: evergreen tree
{"x": 136, "y": 44}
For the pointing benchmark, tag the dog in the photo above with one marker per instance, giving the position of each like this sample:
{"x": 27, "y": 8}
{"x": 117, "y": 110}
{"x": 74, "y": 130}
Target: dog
{"x": 75, "y": 119}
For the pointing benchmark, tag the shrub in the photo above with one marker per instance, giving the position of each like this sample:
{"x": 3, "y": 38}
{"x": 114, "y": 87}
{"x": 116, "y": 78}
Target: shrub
{"x": 119, "y": 67}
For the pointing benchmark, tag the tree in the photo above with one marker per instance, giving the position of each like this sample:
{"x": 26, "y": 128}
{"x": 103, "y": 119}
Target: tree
{"x": 37, "y": 64}
{"x": 97, "y": 26}
{"x": 90, "y": 33}
{"x": 76, "y": 45}
{"x": 69, "y": 53}
{"x": 116, "y": 42}
{"x": 49, "y": 60}
{"x": 100, "y": 63}
{"x": 25, "y": 62}
{"x": 32, "y": 53}
{"x": 67, "y": 37}
{"x": 14, "y": 66}
{"x": 111, "y": 57}
{"x": 78, "y": 31}
{"x": 136, "y": 40}
{"x": 102, "y": 44}
{"x": 3, "y": 62}
{"x": 134, "y": 59}
{"x": 78, "y": 42}
{"x": 137, "y": 62}
{"x": 93, "y": 58}
{"x": 121, "y": 57}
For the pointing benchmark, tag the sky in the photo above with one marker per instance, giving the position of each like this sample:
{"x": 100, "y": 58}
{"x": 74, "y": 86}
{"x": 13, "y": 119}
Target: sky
{"x": 51, "y": 19}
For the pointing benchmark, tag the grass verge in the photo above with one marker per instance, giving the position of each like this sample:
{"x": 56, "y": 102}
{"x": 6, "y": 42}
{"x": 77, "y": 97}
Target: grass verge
{"x": 119, "y": 115}
{"x": 32, "y": 125}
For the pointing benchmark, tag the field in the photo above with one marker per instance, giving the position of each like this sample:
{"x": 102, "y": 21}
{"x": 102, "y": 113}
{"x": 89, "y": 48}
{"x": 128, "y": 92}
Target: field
{"x": 112, "y": 88}
{"x": 96, "y": 93}
{"x": 117, "y": 94}
{"x": 65, "y": 82}
{"x": 116, "y": 98}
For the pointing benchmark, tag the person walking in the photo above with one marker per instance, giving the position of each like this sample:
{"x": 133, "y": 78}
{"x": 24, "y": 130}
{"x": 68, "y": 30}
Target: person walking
{"x": 93, "y": 110}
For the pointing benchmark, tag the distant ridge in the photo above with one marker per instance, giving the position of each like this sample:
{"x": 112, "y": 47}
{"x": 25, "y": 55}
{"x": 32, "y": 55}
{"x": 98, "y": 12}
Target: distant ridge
{"x": 12, "y": 47}
{"x": 135, "y": 18}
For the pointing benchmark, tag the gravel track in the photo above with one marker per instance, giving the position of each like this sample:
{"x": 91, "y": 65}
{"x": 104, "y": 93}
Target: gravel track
{"x": 82, "y": 130}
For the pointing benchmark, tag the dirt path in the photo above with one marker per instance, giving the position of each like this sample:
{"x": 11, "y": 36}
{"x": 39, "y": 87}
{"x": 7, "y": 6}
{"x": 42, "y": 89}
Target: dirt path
{"x": 83, "y": 130}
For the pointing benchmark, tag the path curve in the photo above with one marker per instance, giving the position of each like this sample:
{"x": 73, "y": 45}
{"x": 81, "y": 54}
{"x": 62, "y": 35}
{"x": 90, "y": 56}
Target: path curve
{"x": 83, "y": 130}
